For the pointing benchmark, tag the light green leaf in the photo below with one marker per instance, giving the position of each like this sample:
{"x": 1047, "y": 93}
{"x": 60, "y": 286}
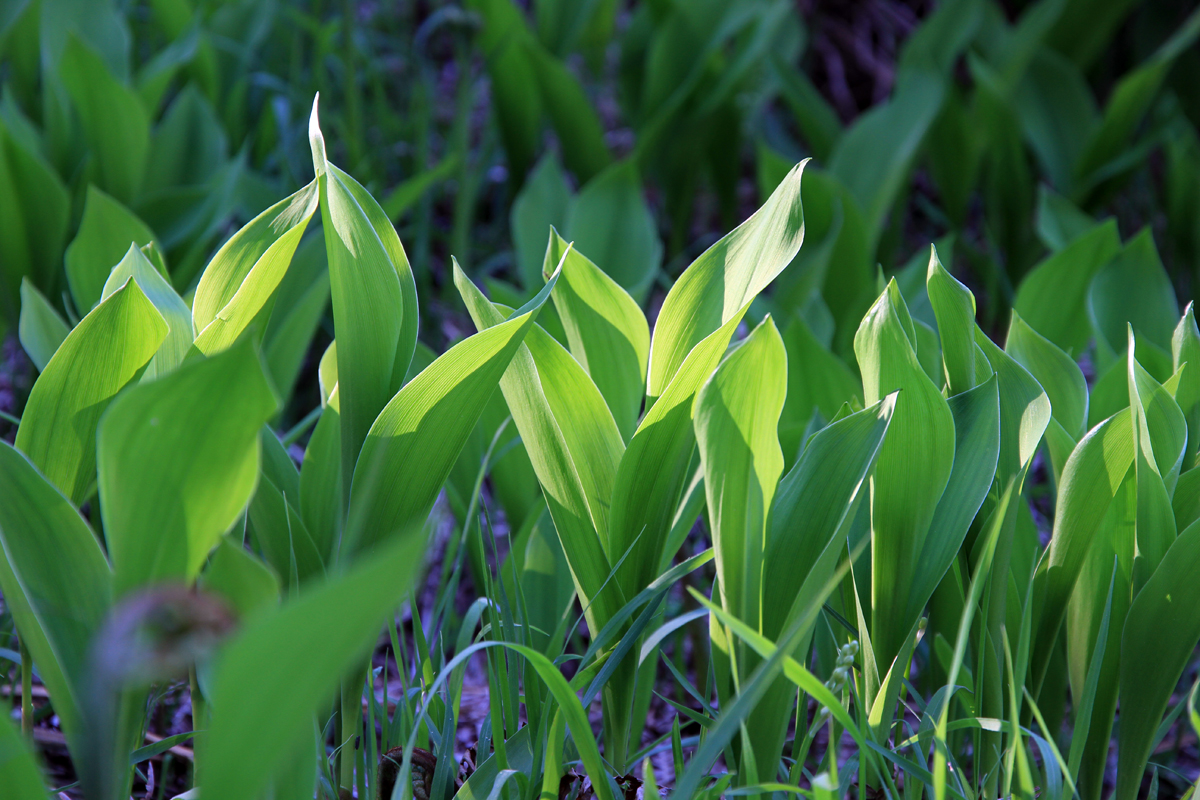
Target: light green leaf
{"x": 1159, "y": 639}
{"x": 163, "y": 513}
{"x": 606, "y": 330}
{"x": 1090, "y": 479}
{"x": 1185, "y": 349}
{"x": 42, "y": 329}
{"x": 107, "y": 350}
{"x": 1024, "y": 410}
{"x": 159, "y": 292}
{"x": 612, "y": 225}
{"x": 433, "y": 415}
{"x": 369, "y": 302}
{"x": 242, "y": 277}
{"x": 245, "y": 582}
{"x": 55, "y": 579}
{"x": 261, "y": 716}
{"x": 954, "y": 306}
{"x": 737, "y": 418}
{"x": 718, "y": 285}
{"x": 300, "y": 303}
{"x": 977, "y": 435}
{"x": 115, "y": 124}
{"x": 904, "y": 491}
{"x": 1053, "y": 296}
{"x": 105, "y": 233}
{"x": 1057, "y": 372}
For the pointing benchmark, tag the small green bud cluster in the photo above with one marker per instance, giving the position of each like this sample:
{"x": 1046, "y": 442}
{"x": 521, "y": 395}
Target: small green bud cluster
{"x": 841, "y": 674}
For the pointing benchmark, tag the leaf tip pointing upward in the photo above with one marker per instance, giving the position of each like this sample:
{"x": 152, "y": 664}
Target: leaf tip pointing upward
{"x": 315, "y": 139}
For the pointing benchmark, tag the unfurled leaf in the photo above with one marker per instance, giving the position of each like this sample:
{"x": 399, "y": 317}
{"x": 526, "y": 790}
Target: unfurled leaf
{"x": 611, "y": 224}
{"x": 1132, "y": 289}
{"x": 106, "y": 351}
{"x": 542, "y": 203}
{"x": 954, "y": 306}
{"x": 1057, "y": 372}
{"x": 169, "y": 487}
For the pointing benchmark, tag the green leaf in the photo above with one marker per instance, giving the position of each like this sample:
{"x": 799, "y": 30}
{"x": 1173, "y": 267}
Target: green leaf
{"x": 1090, "y": 480}
{"x": 19, "y": 771}
{"x": 1057, "y": 372}
{"x": 34, "y": 210}
{"x": 579, "y": 129}
{"x": 55, "y": 579}
{"x": 555, "y": 447}
{"x": 1159, "y": 639}
{"x": 1059, "y": 221}
{"x": 874, "y": 157}
{"x": 244, "y": 581}
{"x": 280, "y": 530}
{"x": 977, "y": 436}
{"x": 542, "y": 203}
{"x": 242, "y": 277}
{"x": 904, "y": 491}
{"x": 163, "y": 513}
{"x": 606, "y": 330}
{"x": 105, "y": 233}
{"x": 321, "y": 501}
{"x": 737, "y": 418}
{"x": 115, "y": 124}
{"x": 159, "y": 292}
{"x": 1053, "y": 296}
{"x": 261, "y": 716}
{"x": 300, "y": 303}
{"x": 612, "y": 225}
{"x": 1130, "y": 101}
{"x": 42, "y": 329}
{"x": 719, "y": 285}
{"x": 1185, "y": 349}
{"x": 1024, "y": 410}
{"x": 1057, "y": 111}
{"x": 418, "y": 435}
{"x": 1133, "y": 289}
{"x": 370, "y": 301}
{"x": 818, "y": 381}
{"x": 106, "y": 351}
{"x": 954, "y": 306}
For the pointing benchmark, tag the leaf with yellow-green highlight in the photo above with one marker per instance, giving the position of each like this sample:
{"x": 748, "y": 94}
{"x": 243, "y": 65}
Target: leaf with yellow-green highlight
{"x": 105, "y": 233}
{"x": 736, "y": 417}
{"x": 954, "y": 306}
{"x": 105, "y": 351}
{"x": 1024, "y": 411}
{"x": 417, "y": 437}
{"x": 242, "y": 277}
{"x": 41, "y": 328}
{"x": 1185, "y": 349}
{"x": 605, "y": 328}
{"x": 1053, "y": 296}
{"x": 1056, "y": 371}
{"x": 55, "y": 579}
{"x": 721, "y": 282}
{"x": 174, "y": 311}
{"x": 370, "y": 300}
{"x": 1094, "y": 472}
{"x": 169, "y": 487}
{"x": 262, "y": 716}
{"x": 557, "y": 435}
{"x": 904, "y": 490}
{"x": 1158, "y": 642}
